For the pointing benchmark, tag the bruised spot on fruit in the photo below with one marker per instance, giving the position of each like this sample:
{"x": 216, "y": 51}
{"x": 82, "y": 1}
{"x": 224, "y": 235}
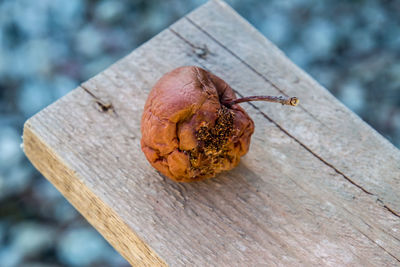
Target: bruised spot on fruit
{"x": 212, "y": 144}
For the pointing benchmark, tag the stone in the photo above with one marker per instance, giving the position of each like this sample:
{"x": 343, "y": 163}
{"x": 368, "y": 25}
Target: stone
{"x": 88, "y": 41}
{"x": 81, "y": 246}
{"x": 34, "y": 96}
{"x": 109, "y": 11}
{"x": 10, "y": 141}
{"x": 353, "y": 96}
{"x": 276, "y": 27}
{"x": 31, "y": 238}
{"x": 10, "y": 256}
{"x": 319, "y": 38}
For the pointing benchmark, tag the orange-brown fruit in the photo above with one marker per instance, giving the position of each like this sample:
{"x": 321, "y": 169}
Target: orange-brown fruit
{"x": 192, "y": 126}
{"x": 188, "y": 134}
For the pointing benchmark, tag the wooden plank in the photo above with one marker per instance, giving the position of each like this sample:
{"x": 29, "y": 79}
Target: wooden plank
{"x": 309, "y": 192}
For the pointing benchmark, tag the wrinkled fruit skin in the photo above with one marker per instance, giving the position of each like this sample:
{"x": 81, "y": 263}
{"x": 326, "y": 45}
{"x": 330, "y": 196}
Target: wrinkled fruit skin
{"x": 187, "y": 134}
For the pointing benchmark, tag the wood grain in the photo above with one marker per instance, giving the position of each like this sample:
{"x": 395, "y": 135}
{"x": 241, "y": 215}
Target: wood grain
{"x": 318, "y": 187}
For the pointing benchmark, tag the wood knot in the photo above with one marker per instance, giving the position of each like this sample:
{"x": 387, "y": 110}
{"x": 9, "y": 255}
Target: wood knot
{"x": 104, "y": 107}
{"x": 201, "y": 52}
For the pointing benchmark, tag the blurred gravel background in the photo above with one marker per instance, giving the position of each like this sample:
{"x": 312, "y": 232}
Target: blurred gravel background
{"x": 48, "y": 47}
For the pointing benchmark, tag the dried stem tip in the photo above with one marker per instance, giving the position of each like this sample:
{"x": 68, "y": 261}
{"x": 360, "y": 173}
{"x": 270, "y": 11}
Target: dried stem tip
{"x": 291, "y": 101}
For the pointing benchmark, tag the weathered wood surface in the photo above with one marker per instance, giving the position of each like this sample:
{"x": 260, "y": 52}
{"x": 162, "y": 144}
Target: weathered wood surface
{"x": 318, "y": 187}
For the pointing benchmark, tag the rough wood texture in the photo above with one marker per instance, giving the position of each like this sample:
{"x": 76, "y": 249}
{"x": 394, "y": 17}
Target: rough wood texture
{"x": 318, "y": 187}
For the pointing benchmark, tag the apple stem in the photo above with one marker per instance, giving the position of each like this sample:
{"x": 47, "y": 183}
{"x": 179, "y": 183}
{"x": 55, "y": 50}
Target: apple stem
{"x": 291, "y": 101}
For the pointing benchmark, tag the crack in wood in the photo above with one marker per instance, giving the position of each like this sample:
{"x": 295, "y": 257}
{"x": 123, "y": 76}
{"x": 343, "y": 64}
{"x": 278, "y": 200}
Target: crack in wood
{"x": 201, "y": 52}
{"x": 388, "y": 208}
{"x": 376, "y": 243}
{"x": 101, "y": 105}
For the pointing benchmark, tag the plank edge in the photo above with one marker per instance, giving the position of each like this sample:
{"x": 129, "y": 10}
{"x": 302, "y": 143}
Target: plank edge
{"x": 67, "y": 181}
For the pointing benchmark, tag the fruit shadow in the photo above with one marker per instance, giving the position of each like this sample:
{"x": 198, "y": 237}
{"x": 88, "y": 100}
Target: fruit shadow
{"x": 229, "y": 186}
